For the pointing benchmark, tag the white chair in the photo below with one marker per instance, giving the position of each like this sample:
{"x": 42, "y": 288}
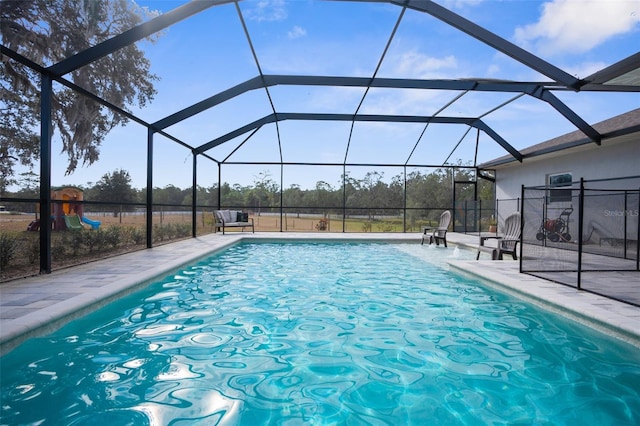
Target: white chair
{"x": 438, "y": 233}
{"x": 507, "y": 242}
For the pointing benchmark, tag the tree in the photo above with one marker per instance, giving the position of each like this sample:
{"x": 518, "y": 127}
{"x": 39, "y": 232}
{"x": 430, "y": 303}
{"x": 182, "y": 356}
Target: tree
{"x": 395, "y": 197}
{"x": 29, "y": 184}
{"x": 264, "y": 191}
{"x": 47, "y": 32}
{"x": 204, "y": 197}
{"x": 293, "y": 198}
{"x": 353, "y": 192}
{"x": 232, "y": 196}
{"x": 115, "y": 188}
{"x": 373, "y": 189}
{"x": 321, "y": 199}
{"x": 18, "y": 140}
{"x": 170, "y": 194}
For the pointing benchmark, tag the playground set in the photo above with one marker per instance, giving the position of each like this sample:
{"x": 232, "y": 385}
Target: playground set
{"x": 67, "y": 215}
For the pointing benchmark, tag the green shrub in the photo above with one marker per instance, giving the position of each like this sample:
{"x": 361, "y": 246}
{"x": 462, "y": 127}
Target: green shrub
{"x": 9, "y": 246}
{"x": 385, "y": 226}
{"x": 183, "y": 230}
{"x": 208, "y": 221}
{"x": 63, "y": 244}
{"x": 113, "y": 236}
{"x": 137, "y": 235}
{"x": 32, "y": 248}
{"x": 170, "y": 231}
{"x": 159, "y": 232}
{"x": 93, "y": 239}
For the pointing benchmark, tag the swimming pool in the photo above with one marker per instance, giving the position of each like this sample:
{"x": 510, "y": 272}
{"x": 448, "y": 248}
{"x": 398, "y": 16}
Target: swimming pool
{"x": 323, "y": 333}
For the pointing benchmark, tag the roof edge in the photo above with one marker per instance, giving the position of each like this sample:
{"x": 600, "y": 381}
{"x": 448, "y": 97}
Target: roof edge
{"x": 620, "y": 125}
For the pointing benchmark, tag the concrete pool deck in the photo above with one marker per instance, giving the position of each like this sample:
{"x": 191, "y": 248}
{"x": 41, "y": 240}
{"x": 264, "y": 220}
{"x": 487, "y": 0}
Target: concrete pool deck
{"x": 38, "y": 305}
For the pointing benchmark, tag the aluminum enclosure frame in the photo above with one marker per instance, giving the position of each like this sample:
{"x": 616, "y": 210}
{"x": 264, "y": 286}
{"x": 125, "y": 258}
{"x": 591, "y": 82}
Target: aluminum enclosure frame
{"x": 612, "y": 79}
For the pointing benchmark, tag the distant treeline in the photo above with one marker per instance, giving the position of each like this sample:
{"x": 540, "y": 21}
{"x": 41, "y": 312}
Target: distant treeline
{"x": 371, "y": 195}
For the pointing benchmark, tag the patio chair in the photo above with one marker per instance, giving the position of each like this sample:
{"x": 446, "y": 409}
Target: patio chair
{"x": 438, "y": 233}
{"x": 507, "y": 242}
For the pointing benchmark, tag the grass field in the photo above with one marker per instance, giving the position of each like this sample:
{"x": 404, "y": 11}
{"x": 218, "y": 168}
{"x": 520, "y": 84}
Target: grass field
{"x": 266, "y": 223}
{"x": 126, "y": 232}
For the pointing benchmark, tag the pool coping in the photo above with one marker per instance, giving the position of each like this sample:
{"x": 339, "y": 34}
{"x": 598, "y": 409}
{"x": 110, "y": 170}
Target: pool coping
{"x": 597, "y": 312}
{"x": 90, "y": 286}
{"x": 115, "y": 285}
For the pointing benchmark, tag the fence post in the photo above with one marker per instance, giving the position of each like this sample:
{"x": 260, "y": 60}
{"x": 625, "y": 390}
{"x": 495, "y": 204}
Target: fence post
{"x": 521, "y": 225}
{"x": 46, "y": 132}
{"x": 466, "y": 213}
{"x": 282, "y": 221}
{"x": 194, "y": 196}
{"x": 638, "y": 236}
{"x": 149, "y": 198}
{"x": 580, "y": 228}
{"x": 404, "y": 200}
{"x": 344, "y": 197}
{"x": 626, "y": 219}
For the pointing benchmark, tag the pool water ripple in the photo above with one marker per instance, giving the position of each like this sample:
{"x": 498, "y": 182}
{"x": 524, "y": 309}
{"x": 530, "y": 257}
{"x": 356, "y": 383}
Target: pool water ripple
{"x": 321, "y": 333}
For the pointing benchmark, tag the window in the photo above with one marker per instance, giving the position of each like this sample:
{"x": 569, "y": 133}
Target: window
{"x": 559, "y": 180}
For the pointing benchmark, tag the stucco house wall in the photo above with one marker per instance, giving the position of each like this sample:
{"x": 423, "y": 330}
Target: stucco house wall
{"x": 613, "y": 165}
{"x": 611, "y": 160}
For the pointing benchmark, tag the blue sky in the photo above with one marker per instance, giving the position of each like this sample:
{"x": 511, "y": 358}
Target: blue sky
{"x": 209, "y": 53}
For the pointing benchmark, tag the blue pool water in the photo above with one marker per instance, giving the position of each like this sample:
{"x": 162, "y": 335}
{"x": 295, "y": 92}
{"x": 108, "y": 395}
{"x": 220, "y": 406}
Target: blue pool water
{"x": 321, "y": 333}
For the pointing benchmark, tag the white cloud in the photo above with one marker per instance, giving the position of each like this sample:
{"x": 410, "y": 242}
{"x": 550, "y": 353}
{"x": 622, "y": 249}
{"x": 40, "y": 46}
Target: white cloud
{"x": 585, "y": 69}
{"x": 266, "y": 10}
{"x": 296, "y": 32}
{"x": 460, "y": 4}
{"x": 412, "y": 64}
{"x": 405, "y": 102}
{"x": 576, "y": 26}
{"x": 493, "y": 70}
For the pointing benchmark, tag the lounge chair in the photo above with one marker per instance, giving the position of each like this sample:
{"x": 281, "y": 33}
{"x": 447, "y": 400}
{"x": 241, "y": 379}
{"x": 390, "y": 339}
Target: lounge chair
{"x": 73, "y": 222}
{"x": 232, "y": 219}
{"x": 507, "y": 243}
{"x": 438, "y": 233}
